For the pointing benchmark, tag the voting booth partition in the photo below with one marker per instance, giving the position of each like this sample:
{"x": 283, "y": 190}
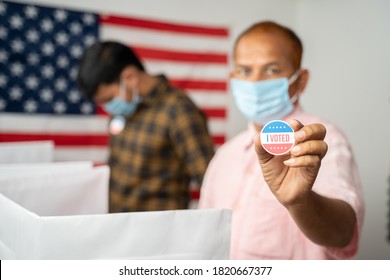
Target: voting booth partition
{"x": 59, "y": 210}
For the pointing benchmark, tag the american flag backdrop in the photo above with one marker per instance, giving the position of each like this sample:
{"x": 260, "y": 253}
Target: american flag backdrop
{"x": 39, "y": 51}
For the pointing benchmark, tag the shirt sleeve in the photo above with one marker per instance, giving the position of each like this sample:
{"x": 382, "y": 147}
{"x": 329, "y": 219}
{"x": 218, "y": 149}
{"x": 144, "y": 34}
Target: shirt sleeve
{"x": 190, "y": 136}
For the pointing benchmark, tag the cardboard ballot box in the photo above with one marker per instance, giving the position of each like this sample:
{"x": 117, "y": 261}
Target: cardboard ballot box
{"x": 61, "y": 213}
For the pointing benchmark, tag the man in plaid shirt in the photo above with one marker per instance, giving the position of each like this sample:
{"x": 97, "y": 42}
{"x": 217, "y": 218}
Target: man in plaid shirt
{"x": 159, "y": 141}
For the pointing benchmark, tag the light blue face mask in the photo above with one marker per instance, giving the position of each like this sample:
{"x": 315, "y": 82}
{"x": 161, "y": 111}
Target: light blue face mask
{"x": 119, "y": 105}
{"x": 264, "y": 101}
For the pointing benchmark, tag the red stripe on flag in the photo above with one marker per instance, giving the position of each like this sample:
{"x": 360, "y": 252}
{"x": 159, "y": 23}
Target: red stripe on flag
{"x": 210, "y": 112}
{"x": 218, "y": 139}
{"x": 73, "y": 140}
{"x": 199, "y": 84}
{"x": 192, "y": 57}
{"x": 215, "y": 112}
{"x": 59, "y": 139}
{"x": 195, "y": 194}
{"x": 100, "y": 111}
{"x": 164, "y": 26}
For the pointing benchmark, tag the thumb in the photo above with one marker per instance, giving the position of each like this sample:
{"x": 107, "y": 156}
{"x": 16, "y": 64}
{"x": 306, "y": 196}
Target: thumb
{"x": 262, "y": 154}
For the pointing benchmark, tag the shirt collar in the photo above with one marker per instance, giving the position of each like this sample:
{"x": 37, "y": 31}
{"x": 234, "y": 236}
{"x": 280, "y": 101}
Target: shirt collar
{"x": 157, "y": 92}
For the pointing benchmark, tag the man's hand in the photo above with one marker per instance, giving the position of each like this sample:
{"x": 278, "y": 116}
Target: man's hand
{"x": 291, "y": 176}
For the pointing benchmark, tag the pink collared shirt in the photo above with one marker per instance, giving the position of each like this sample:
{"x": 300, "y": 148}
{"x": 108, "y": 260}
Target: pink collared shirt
{"x": 261, "y": 227}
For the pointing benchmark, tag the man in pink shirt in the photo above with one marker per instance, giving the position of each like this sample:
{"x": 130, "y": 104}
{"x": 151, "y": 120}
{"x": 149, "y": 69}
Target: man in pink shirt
{"x": 306, "y": 204}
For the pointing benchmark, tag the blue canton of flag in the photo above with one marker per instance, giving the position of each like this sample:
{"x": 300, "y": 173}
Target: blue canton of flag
{"x": 39, "y": 52}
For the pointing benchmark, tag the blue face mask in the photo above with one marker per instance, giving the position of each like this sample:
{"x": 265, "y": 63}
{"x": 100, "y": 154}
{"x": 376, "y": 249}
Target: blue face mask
{"x": 264, "y": 101}
{"x": 119, "y": 106}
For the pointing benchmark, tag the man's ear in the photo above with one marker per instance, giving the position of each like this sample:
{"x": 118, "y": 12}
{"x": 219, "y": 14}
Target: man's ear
{"x": 131, "y": 76}
{"x": 302, "y": 81}
{"x": 129, "y": 72}
{"x": 231, "y": 74}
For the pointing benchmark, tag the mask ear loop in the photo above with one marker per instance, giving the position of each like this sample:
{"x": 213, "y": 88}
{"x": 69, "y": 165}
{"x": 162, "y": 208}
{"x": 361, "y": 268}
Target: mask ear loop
{"x": 118, "y": 122}
{"x": 294, "y": 98}
{"x": 122, "y": 89}
{"x": 292, "y": 79}
{"x": 135, "y": 94}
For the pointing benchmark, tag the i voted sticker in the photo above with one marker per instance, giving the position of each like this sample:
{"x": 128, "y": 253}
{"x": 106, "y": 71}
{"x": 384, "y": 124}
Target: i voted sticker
{"x": 277, "y": 137}
{"x": 116, "y": 125}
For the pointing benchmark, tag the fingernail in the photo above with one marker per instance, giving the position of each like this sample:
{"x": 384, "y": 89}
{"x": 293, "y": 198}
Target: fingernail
{"x": 299, "y": 134}
{"x": 289, "y": 161}
{"x": 292, "y": 121}
{"x": 295, "y": 149}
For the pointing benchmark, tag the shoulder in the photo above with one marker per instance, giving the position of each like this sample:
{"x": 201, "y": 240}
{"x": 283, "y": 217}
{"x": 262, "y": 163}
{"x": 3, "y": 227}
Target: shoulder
{"x": 176, "y": 96}
{"x": 180, "y": 104}
{"x": 236, "y": 144}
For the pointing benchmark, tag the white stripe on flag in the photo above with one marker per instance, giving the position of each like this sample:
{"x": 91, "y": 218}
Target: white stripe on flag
{"x": 204, "y": 98}
{"x": 217, "y": 126}
{"x": 91, "y": 125}
{"x": 164, "y": 40}
{"x": 180, "y": 70}
{"x": 53, "y": 124}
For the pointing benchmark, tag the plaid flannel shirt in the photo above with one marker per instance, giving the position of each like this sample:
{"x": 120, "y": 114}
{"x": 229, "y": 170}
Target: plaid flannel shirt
{"x": 163, "y": 146}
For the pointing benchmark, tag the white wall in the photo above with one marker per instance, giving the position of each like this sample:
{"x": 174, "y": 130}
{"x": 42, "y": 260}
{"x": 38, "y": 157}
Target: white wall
{"x": 348, "y": 52}
{"x": 347, "y": 49}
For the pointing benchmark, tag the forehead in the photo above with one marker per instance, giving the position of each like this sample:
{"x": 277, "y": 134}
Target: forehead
{"x": 262, "y": 48}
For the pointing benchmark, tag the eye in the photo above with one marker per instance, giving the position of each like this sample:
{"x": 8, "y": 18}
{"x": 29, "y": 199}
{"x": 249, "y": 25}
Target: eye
{"x": 271, "y": 71}
{"x": 244, "y": 71}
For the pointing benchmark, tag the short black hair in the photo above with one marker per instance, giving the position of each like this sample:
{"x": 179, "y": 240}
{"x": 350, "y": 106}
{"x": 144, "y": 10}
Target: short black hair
{"x": 102, "y": 63}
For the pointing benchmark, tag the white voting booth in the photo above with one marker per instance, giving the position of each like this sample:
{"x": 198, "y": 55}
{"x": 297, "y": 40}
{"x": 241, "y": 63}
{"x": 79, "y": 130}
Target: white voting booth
{"x": 60, "y": 189}
{"x": 58, "y": 210}
{"x": 184, "y": 234}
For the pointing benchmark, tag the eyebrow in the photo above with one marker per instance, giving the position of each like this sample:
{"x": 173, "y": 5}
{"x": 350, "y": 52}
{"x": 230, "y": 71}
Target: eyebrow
{"x": 273, "y": 63}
